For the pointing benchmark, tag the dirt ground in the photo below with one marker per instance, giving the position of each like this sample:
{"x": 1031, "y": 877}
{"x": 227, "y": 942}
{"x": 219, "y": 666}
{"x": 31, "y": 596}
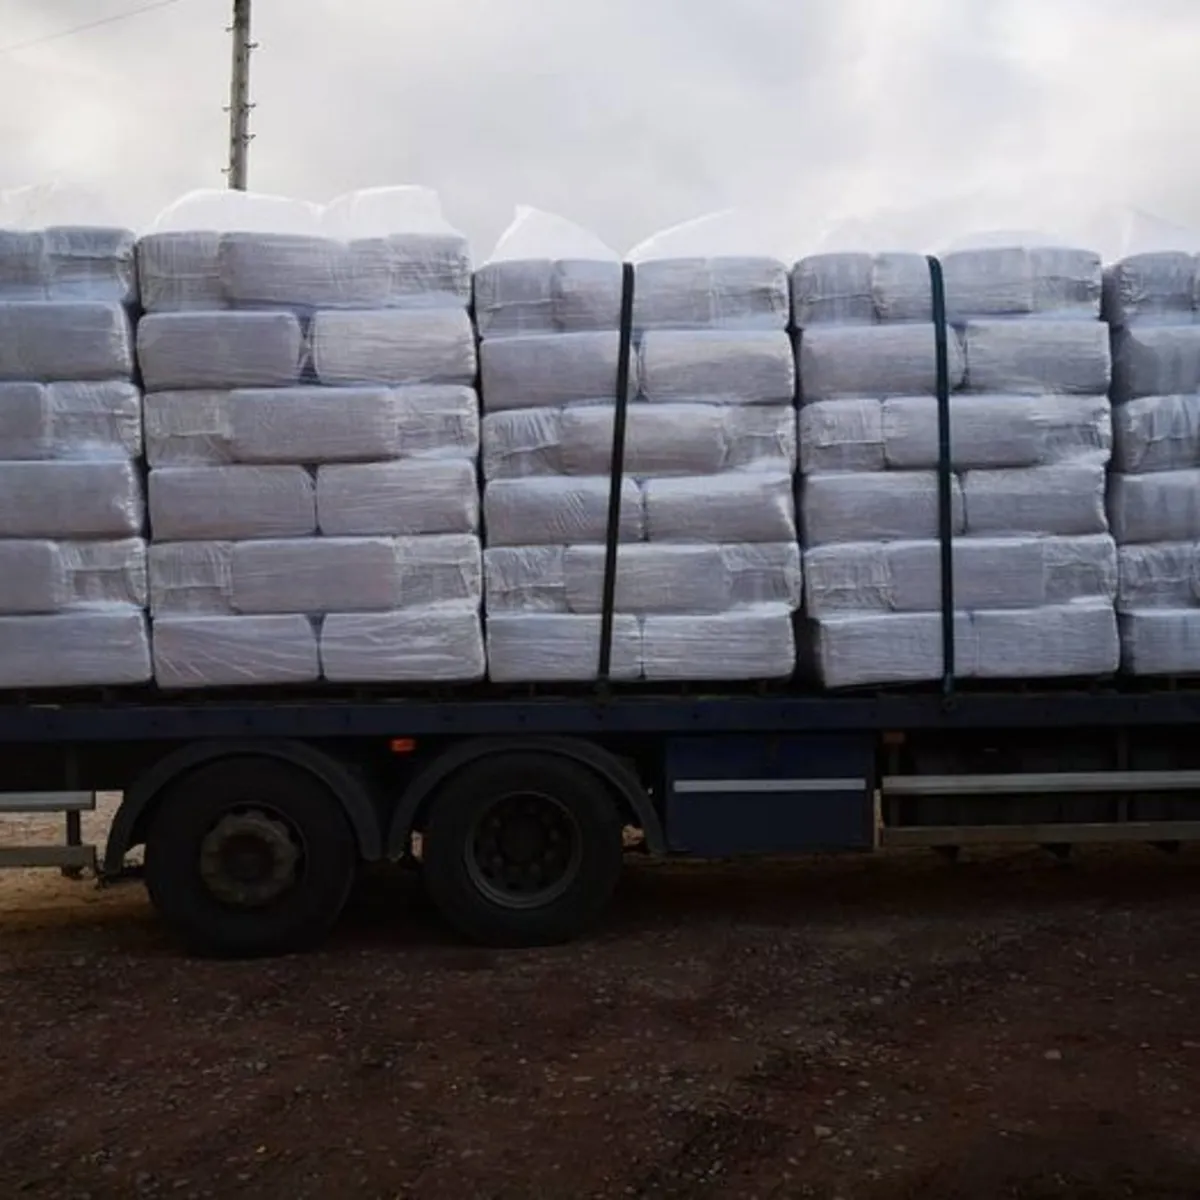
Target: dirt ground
{"x": 876, "y": 1028}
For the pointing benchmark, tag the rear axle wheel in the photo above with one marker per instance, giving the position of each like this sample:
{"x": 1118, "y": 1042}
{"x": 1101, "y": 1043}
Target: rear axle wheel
{"x": 522, "y": 849}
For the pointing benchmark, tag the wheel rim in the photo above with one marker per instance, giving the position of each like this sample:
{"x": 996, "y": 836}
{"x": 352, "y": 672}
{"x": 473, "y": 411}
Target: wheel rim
{"x": 251, "y": 857}
{"x": 524, "y": 850}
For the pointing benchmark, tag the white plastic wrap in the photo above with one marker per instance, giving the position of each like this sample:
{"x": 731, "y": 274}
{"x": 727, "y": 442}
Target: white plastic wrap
{"x": 861, "y": 289}
{"x": 666, "y": 579}
{"x": 709, "y": 273}
{"x": 320, "y": 575}
{"x": 752, "y": 643}
{"x": 989, "y": 573}
{"x": 711, "y": 293}
{"x": 1022, "y": 281}
{"x": 438, "y": 421}
{"x": 206, "y": 350}
{"x": 22, "y": 265}
{"x": 188, "y": 429}
{"x": 100, "y": 647}
{"x": 1160, "y": 507}
{"x": 1163, "y": 641}
{"x": 33, "y": 577}
{"x": 105, "y": 573}
{"x": 992, "y": 281}
{"x": 90, "y": 262}
{"x": 310, "y": 425}
{"x": 70, "y": 420}
{"x": 882, "y": 360}
{"x": 525, "y": 579}
{"x": 1155, "y": 288}
{"x": 313, "y": 425}
{"x": 1033, "y": 357}
{"x": 1156, "y": 433}
{"x": 533, "y": 372}
{"x": 394, "y": 498}
{"x": 383, "y": 247}
{"x": 263, "y": 270}
{"x": 191, "y": 579}
{"x": 1066, "y": 499}
{"x": 749, "y": 506}
{"x": 68, "y": 262}
{"x": 759, "y": 438}
{"x": 211, "y": 503}
{"x": 1063, "y": 642}
{"x": 425, "y": 646}
{"x": 991, "y": 431}
{"x": 558, "y": 511}
{"x": 528, "y": 441}
{"x": 197, "y": 652}
{"x": 1159, "y": 575}
{"x": 661, "y": 439}
{"x": 65, "y": 340}
{"x": 40, "y": 576}
{"x": 717, "y": 367}
{"x": 393, "y": 346}
{"x": 68, "y": 499}
{"x": 315, "y": 575}
{"x": 669, "y": 439}
{"x": 880, "y": 507}
{"x": 854, "y": 650}
{"x": 1151, "y": 360}
{"x": 841, "y": 435}
{"x": 559, "y": 648}
{"x": 180, "y": 272}
{"x": 547, "y": 275}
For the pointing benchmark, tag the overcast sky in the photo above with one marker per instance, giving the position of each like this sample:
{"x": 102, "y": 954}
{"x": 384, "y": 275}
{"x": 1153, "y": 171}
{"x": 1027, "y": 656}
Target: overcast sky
{"x": 629, "y": 115}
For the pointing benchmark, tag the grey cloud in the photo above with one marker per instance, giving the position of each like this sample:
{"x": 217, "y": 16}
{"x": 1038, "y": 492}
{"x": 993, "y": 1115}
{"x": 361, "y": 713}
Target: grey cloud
{"x": 627, "y": 115}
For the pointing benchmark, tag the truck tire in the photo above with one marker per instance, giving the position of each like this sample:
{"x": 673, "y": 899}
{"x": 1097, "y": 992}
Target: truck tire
{"x": 522, "y": 849}
{"x": 248, "y": 857}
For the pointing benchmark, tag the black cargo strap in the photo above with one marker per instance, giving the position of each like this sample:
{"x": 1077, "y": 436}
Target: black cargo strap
{"x": 612, "y": 536}
{"x": 945, "y": 477}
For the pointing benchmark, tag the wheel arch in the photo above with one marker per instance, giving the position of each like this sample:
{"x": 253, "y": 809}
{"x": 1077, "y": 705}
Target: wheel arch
{"x": 622, "y": 780}
{"x": 141, "y": 800}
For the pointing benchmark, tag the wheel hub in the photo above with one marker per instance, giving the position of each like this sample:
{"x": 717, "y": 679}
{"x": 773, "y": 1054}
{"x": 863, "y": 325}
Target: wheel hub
{"x": 249, "y": 859}
{"x": 525, "y": 851}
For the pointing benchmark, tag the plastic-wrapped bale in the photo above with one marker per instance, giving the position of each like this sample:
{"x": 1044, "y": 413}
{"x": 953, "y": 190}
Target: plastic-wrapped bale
{"x": 381, "y": 248}
{"x": 547, "y": 276}
{"x": 541, "y": 647}
{"x": 312, "y": 430}
{"x": 87, "y": 341}
{"x": 1151, "y": 302}
{"x": 1031, "y": 435}
{"x": 68, "y": 263}
{"x": 73, "y": 580}
{"x": 1014, "y": 281}
{"x": 346, "y": 593}
{"x": 709, "y": 274}
{"x": 708, "y": 570}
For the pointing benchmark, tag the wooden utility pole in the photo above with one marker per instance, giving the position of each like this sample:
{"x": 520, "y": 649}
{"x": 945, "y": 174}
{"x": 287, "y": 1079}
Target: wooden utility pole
{"x": 239, "y": 96}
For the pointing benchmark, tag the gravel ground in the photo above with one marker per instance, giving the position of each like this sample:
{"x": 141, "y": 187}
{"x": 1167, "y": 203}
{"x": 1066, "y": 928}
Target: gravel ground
{"x": 862, "y": 1028}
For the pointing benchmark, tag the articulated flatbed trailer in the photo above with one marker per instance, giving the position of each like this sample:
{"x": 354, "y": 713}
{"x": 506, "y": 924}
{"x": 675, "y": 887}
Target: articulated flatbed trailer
{"x": 256, "y": 815}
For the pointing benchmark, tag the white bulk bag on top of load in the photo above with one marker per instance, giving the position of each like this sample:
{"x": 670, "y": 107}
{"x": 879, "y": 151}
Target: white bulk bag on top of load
{"x": 60, "y": 242}
{"x": 547, "y": 275}
{"x": 381, "y": 248}
{"x": 714, "y": 272}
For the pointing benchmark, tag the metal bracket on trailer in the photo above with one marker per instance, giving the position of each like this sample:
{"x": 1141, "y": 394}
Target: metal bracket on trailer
{"x": 72, "y": 856}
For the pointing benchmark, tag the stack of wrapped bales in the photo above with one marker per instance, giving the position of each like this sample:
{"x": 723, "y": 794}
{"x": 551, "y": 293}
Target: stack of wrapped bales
{"x": 72, "y": 557}
{"x": 1034, "y": 563}
{"x": 708, "y": 570}
{"x": 1151, "y": 301}
{"x": 311, "y": 431}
